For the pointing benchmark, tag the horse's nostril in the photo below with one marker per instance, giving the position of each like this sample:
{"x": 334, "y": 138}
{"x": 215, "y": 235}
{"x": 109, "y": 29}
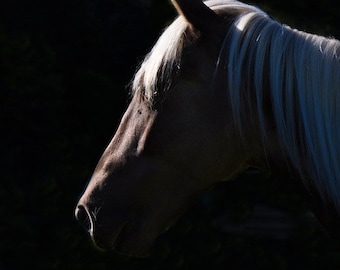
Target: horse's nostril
{"x": 83, "y": 217}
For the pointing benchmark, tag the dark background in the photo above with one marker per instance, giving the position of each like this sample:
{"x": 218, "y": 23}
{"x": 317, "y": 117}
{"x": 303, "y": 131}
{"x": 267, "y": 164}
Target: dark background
{"x": 64, "y": 70}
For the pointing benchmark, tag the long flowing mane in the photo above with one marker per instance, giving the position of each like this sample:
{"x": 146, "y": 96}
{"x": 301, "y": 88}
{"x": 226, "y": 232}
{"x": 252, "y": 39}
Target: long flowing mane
{"x": 262, "y": 59}
{"x": 300, "y": 74}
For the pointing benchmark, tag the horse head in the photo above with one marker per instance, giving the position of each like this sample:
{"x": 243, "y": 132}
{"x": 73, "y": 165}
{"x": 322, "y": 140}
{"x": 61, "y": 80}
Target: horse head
{"x": 224, "y": 88}
{"x": 168, "y": 147}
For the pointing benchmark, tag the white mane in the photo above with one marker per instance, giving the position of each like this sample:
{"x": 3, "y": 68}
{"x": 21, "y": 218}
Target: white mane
{"x": 300, "y": 72}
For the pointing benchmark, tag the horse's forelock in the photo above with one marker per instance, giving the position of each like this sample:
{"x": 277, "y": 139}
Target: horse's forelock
{"x": 157, "y": 68}
{"x": 160, "y": 62}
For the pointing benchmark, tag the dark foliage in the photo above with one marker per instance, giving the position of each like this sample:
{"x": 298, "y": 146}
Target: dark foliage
{"x": 64, "y": 68}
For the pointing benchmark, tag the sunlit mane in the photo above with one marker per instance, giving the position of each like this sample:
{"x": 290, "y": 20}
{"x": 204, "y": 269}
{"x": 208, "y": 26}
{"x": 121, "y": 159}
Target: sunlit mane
{"x": 160, "y": 62}
{"x": 300, "y": 72}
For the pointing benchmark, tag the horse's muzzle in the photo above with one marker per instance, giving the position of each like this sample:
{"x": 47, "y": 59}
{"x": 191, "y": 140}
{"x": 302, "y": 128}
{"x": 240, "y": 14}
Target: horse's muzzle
{"x": 87, "y": 221}
{"x": 119, "y": 237}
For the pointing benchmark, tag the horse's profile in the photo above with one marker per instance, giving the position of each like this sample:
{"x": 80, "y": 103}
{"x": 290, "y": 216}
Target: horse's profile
{"x": 225, "y": 87}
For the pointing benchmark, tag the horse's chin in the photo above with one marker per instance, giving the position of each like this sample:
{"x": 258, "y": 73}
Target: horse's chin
{"x": 140, "y": 248}
{"x": 135, "y": 247}
{"x": 127, "y": 241}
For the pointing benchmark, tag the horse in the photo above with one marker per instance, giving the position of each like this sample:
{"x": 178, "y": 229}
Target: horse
{"x": 225, "y": 88}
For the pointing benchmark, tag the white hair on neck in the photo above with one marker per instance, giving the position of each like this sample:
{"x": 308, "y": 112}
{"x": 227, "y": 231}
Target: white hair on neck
{"x": 301, "y": 74}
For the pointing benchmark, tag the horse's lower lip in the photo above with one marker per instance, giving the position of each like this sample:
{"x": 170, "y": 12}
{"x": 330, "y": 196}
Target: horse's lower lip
{"x": 123, "y": 240}
{"x": 102, "y": 245}
{"x": 105, "y": 238}
{"x": 132, "y": 253}
{"x": 166, "y": 229}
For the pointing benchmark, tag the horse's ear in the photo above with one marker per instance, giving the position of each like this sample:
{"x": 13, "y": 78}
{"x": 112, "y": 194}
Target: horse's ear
{"x": 198, "y": 14}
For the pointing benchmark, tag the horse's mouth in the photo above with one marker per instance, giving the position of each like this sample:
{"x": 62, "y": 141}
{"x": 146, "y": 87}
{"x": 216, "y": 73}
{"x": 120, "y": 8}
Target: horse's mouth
{"x": 122, "y": 237}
